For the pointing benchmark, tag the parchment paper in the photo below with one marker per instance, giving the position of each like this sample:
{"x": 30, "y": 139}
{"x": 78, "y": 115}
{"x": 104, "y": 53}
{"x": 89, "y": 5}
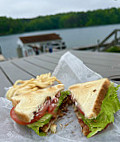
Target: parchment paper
{"x": 69, "y": 70}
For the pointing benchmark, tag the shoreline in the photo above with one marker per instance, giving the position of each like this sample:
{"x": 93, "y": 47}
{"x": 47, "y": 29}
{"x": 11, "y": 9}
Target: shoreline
{"x": 60, "y": 29}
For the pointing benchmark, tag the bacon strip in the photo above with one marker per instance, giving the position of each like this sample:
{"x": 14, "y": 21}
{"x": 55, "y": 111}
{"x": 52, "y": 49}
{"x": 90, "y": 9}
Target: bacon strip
{"x": 85, "y": 128}
{"x": 61, "y": 111}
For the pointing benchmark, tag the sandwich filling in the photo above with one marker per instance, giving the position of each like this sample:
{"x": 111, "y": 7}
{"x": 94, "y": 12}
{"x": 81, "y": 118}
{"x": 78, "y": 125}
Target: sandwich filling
{"x": 55, "y": 110}
{"x": 110, "y": 105}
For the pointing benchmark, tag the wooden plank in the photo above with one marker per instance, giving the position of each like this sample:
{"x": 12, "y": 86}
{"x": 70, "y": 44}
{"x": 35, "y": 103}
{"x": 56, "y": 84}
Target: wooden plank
{"x": 104, "y": 59}
{"x": 29, "y": 68}
{"x": 64, "y": 51}
{"x": 92, "y": 55}
{"x": 104, "y": 71}
{"x": 100, "y": 66}
{"x": 98, "y": 55}
{"x": 14, "y": 73}
{"x": 89, "y": 54}
{"x": 44, "y": 64}
{"x": 47, "y": 58}
{"x": 4, "y": 82}
{"x": 97, "y": 61}
{"x": 55, "y": 55}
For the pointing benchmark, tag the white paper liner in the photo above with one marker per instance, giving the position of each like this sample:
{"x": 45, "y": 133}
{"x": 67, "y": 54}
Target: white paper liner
{"x": 69, "y": 70}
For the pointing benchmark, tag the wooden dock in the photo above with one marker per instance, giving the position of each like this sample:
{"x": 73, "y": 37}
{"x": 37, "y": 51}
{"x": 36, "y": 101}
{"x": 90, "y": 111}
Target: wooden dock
{"x": 106, "y": 64}
{"x": 104, "y": 44}
{"x": 91, "y": 47}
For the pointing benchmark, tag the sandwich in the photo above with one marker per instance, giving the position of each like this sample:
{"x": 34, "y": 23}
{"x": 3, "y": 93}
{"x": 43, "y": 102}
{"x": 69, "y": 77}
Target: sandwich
{"x": 36, "y": 107}
{"x": 95, "y": 104}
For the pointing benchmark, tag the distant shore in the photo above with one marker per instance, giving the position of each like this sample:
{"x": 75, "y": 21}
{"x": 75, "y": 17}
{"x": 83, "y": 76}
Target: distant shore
{"x": 98, "y": 17}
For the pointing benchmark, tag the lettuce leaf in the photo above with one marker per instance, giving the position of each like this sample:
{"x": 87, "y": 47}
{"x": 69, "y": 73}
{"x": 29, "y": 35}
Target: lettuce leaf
{"x": 40, "y": 123}
{"x": 47, "y": 117}
{"x": 110, "y": 105}
{"x": 64, "y": 94}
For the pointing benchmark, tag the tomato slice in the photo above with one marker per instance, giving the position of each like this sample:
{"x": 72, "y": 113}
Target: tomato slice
{"x": 55, "y": 100}
{"x": 41, "y": 112}
{"x": 48, "y": 106}
{"x": 51, "y": 108}
{"x": 37, "y": 115}
{"x": 81, "y": 111}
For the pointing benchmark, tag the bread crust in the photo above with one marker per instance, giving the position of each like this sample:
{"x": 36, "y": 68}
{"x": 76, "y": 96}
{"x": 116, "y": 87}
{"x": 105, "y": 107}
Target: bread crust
{"x": 100, "y": 98}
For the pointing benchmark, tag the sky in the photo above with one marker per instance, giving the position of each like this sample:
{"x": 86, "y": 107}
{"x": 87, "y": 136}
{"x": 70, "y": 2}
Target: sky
{"x": 34, "y": 8}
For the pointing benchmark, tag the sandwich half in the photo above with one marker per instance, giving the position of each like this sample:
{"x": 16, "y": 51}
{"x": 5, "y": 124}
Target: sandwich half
{"x": 95, "y": 103}
{"x": 40, "y": 109}
{"x": 37, "y": 103}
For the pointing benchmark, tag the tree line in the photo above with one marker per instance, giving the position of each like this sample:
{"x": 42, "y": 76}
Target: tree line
{"x": 60, "y": 21}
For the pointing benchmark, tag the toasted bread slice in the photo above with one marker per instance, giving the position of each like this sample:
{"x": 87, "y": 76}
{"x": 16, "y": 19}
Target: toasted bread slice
{"x": 26, "y": 104}
{"x": 89, "y": 96}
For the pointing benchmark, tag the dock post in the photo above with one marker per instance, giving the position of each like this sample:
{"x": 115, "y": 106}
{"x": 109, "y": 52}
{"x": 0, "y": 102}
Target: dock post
{"x": 116, "y": 40}
{"x": 19, "y": 52}
{"x": 98, "y": 42}
{"x": 0, "y": 50}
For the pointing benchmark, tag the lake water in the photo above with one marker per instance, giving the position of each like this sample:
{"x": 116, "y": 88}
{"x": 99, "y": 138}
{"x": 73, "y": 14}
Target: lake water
{"x": 74, "y": 38}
